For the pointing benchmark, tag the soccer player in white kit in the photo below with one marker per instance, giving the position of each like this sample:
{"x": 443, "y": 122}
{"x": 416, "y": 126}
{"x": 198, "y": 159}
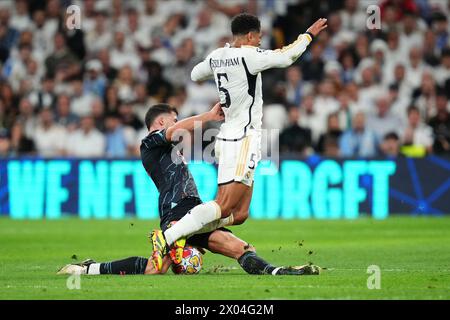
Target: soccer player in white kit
{"x": 237, "y": 69}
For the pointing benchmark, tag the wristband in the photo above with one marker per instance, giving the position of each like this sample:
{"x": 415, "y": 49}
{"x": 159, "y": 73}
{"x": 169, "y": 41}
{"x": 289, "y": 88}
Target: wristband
{"x": 310, "y": 34}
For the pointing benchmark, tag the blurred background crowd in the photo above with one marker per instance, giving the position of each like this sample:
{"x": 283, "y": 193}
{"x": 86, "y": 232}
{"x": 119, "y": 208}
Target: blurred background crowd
{"x": 355, "y": 92}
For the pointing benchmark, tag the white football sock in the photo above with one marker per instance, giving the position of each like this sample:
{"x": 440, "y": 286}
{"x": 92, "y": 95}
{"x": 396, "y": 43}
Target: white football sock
{"x": 196, "y": 219}
{"x": 94, "y": 268}
{"x": 217, "y": 224}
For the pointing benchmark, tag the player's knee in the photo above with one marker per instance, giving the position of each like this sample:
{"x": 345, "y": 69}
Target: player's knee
{"x": 240, "y": 217}
{"x": 225, "y": 207}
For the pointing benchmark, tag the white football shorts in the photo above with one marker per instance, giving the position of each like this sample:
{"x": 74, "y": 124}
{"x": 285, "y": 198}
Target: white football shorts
{"x": 237, "y": 160}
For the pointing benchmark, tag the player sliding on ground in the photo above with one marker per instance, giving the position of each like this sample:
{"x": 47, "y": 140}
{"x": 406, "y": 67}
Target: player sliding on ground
{"x": 219, "y": 241}
{"x": 178, "y": 195}
{"x": 237, "y": 69}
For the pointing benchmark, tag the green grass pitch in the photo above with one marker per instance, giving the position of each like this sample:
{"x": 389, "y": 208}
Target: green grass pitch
{"x": 413, "y": 254}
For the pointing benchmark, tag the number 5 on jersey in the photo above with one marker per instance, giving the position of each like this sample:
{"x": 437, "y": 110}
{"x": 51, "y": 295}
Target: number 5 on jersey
{"x": 224, "y": 95}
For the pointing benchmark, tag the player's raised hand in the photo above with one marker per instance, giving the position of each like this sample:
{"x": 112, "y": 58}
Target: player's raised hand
{"x": 317, "y": 26}
{"x": 216, "y": 113}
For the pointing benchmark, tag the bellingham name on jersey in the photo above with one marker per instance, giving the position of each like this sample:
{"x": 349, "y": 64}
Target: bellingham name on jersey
{"x": 237, "y": 73}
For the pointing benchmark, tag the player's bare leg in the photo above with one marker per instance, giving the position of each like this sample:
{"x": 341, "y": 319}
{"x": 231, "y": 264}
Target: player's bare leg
{"x": 202, "y": 215}
{"x": 241, "y": 211}
{"x": 229, "y": 196}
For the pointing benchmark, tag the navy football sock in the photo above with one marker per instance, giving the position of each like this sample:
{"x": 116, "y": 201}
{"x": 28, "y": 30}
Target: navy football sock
{"x": 253, "y": 264}
{"x": 132, "y": 265}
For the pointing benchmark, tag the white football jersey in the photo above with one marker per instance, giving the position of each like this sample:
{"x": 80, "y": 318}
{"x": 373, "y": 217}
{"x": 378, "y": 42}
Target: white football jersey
{"x": 237, "y": 72}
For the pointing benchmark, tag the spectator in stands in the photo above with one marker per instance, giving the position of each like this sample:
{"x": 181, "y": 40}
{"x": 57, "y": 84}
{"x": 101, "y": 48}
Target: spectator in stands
{"x": 9, "y": 104}
{"x": 5, "y": 144}
{"x": 94, "y": 81}
{"x": 112, "y": 100}
{"x": 142, "y": 101}
{"x": 331, "y": 147}
{"x": 43, "y": 96}
{"x": 87, "y": 141}
{"x": 15, "y": 68}
{"x": 119, "y": 139}
{"x": 442, "y": 72}
{"x": 294, "y": 85}
{"x": 325, "y": 102}
{"x": 6, "y": 116}
{"x": 399, "y": 103}
{"x": 109, "y": 71}
{"x": 123, "y": 52}
{"x": 100, "y": 36}
{"x": 98, "y": 114}
{"x": 158, "y": 88}
{"x": 441, "y": 125}
{"x": 8, "y": 35}
{"x": 26, "y": 117}
{"x": 358, "y": 141}
{"x": 312, "y": 69}
{"x": 128, "y": 117}
{"x": 311, "y": 119}
{"x": 330, "y": 137}
{"x": 81, "y": 101}
{"x": 417, "y": 134}
{"x": 430, "y": 52}
{"x": 351, "y": 17}
{"x": 21, "y": 19}
{"x": 295, "y": 139}
{"x": 346, "y": 110}
{"x": 426, "y": 98}
{"x": 410, "y": 36}
{"x": 178, "y": 72}
{"x": 125, "y": 83}
{"x": 416, "y": 66}
{"x": 64, "y": 116}
{"x": 49, "y": 137}
{"x": 440, "y": 27}
{"x": 142, "y": 52}
{"x": 62, "y": 63}
{"x": 43, "y": 35}
{"x": 383, "y": 121}
{"x": 390, "y": 146}
{"x": 20, "y": 144}
{"x": 347, "y": 60}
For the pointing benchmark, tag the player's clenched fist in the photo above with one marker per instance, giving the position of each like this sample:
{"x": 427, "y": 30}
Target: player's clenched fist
{"x": 216, "y": 113}
{"x": 317, "y": 26}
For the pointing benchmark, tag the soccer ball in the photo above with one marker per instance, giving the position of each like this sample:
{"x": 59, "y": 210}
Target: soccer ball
{"x": 191, "y": 263}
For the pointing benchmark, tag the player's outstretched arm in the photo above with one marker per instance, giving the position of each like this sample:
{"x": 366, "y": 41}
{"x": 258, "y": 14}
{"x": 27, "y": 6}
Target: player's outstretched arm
{"x": 215, "y": 114}
{"x": 284, "y": 57}
{"x": 202, "y": 71}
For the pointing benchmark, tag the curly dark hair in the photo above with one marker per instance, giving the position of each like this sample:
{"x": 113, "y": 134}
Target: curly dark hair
{"x": 244, "y": 23}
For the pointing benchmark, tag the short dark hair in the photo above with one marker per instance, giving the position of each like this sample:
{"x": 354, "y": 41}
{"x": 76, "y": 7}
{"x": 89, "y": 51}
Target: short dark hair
{"x": 244, "y": 23}
{"x": 412, "y": 108}
{"x": 391, "y": 136}
{"x": 157, "y": 110}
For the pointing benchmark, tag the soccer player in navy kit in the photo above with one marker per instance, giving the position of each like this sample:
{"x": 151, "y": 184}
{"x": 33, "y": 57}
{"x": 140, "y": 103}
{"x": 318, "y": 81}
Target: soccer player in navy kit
{"x": 178, "y": 195}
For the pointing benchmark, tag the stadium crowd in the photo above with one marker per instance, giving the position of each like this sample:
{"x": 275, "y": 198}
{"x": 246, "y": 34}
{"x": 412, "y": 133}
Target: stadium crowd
{"x": 356, "y": 92}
